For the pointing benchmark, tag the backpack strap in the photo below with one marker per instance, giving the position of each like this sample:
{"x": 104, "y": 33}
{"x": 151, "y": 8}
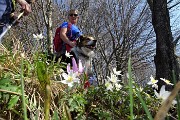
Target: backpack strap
{"x": 65, "y": 46}
{"x": 69, "y": 29}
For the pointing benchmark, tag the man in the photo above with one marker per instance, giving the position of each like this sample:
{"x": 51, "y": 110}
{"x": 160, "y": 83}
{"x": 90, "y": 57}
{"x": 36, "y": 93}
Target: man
{"x": 68, "y": 33}
{"x": 6, "y": 8}
{"x": 70, "y": 38}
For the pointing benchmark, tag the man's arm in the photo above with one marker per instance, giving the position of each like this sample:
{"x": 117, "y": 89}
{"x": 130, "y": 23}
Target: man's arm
{"x": 25, "y": 6}
{"x": 65, "y": 38}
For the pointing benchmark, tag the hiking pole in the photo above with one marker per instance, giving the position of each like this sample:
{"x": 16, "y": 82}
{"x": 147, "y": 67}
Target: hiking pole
{"x": 10, "y": 25}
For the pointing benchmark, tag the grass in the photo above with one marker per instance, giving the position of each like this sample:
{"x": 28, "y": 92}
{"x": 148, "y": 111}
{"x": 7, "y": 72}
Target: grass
{"x": 178, "y": 104}
{"x": 22, "y": 90}
{"x": 130, "y": 89}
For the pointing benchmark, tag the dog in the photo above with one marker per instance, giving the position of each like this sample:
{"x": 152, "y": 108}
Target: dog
{"x": 84, "y": 51}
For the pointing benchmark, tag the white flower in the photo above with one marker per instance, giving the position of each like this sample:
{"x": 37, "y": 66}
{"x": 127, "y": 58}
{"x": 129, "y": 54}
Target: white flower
{"x": 118, "y": 86}
{"x": 23, "y": 55}
{"x": 153, "y": 82}
{"x": 163, "y": 95}
{"x": 116, "y": 72}
{"x": 70, "y": 78}
{"x": 38, "y": 37}
{"x": 68, "y": 54}
{"x": 139, "y": 89}
{"x": 108, "y": 85}
{"x": 166, "y": 81}
{"x": 113, "y": 78}
{"x": 127, "y": 75}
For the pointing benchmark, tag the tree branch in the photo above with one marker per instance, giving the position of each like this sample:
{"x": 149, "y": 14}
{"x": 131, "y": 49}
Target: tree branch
{"x": 174, "y": 5}
{"x": 150, "y": 2}
{"x": 170, "y": 1}
{"x": 176, "y": 40}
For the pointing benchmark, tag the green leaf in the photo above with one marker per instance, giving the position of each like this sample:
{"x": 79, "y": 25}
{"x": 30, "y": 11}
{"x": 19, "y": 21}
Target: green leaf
{"x": 4, "y": 81}
{"x": 130, "y": 81}
{"x": 66, "y": 113}
{"x": 144, "y": 106}
{"x": 55, "y": 116}
{"x": 9, "y": 88}
{"x": 70, "y": 101}
{"x": 13, "y": 101}
{"x": 42, "y": 74}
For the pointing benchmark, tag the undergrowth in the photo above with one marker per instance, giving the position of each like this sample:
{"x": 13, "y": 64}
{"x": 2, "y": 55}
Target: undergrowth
{"x": 45, "y": 97}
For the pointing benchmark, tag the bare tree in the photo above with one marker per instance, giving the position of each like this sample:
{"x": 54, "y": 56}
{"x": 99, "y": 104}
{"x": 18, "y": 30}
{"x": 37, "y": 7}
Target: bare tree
{"x": 121, "y": 27}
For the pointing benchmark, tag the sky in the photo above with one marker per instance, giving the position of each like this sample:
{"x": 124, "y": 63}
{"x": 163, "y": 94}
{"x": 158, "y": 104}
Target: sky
{"x": 175, "y": 24}
{"x": 175, "y": 16}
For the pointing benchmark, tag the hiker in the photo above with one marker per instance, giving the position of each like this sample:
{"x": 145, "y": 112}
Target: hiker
{"x": 70, "y": 38}
{"x": 66, "y": 36}
{"x": 6, "y": 9}
{"x": 69, "y": 32}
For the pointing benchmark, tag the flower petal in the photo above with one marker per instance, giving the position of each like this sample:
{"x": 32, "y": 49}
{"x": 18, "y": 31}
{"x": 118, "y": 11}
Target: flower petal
{"x": 67, "y": 54}
{"x": 64, "y": 75}
{"x": 157, "y": 94}
{"x": 81, "y": 69}
{"x": 116, "y": 72}
{"x": 68, "y": 68}
{"x": 34, "y": 36}
{"x": 70, "y": 84}
{"x": 75, "y": 68}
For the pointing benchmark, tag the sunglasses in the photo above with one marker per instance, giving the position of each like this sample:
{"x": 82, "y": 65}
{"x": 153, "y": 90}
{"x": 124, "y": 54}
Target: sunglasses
{"x": 73, "y": 15}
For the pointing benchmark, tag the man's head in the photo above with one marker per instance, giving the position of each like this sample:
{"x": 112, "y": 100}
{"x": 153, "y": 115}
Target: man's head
{"x": 73, "y": 16}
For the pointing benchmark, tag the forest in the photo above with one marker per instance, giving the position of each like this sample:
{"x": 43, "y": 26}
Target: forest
{"x": 136, "y": 63}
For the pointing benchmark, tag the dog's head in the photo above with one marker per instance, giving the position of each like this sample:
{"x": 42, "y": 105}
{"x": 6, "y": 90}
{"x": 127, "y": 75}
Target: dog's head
{"x": 87, "y": 45}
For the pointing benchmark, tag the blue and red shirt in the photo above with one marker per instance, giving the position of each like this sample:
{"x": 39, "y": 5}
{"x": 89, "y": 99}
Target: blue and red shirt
{"x": 74, "y": 31}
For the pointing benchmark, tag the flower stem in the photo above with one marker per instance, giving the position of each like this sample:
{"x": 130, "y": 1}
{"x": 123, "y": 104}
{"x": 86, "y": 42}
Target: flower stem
{"x": 22, "y": 90}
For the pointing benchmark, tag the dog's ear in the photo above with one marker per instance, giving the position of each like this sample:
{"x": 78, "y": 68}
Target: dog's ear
{"x": 81, "y": 37}
{"x": 79, "y": 40}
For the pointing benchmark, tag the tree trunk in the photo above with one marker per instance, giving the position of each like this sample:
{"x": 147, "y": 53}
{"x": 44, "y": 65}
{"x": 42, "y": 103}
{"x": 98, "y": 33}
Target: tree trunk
{"x": 165, "y": 60}
{"x": 47, "y": 15}
{"x": 49, "y": 27}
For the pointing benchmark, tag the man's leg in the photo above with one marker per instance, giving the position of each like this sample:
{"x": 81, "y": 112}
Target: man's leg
{"x": 3, "y": 6}
{"x": 5, "y": 11}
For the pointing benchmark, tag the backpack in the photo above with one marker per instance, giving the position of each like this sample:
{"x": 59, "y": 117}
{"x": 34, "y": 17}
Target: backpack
{"x": 57, "y": 41}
